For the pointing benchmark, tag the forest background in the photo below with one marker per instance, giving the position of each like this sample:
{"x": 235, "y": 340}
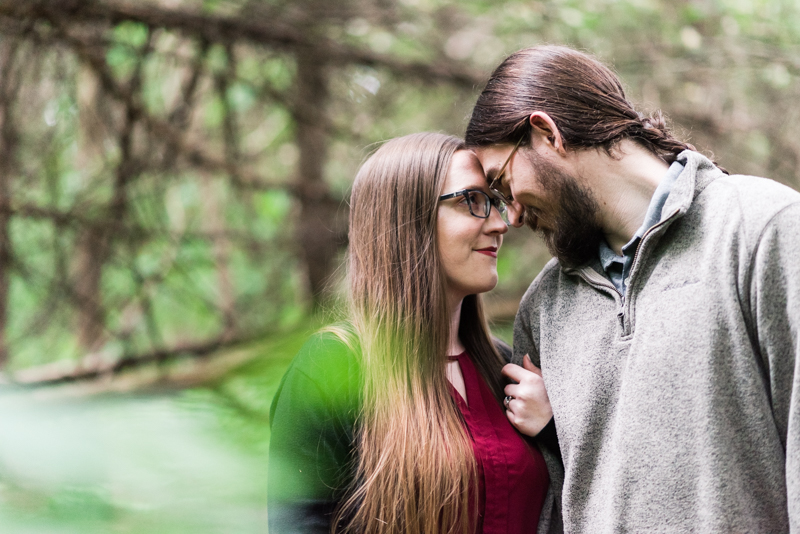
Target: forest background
{"x": 174, "y": 177}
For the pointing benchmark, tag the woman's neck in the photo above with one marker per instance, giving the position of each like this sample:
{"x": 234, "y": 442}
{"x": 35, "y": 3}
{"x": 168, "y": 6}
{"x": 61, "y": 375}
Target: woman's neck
{"x": 454, "y": 345}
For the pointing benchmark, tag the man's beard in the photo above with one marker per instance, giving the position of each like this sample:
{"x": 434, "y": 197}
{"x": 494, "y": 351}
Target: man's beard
{"x": 574, "y": 233}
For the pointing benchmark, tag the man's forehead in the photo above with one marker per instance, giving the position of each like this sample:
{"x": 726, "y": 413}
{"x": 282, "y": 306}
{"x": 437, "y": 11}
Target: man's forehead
{"x": 491, "y": 159}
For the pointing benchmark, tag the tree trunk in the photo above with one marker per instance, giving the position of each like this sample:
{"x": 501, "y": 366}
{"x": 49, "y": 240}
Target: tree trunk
{"x": 96, "y": 124}
{"x": 8, "y": 144}
{"x": 94, "y": 246}
{"x": 316, "y": 228}
{"x": 90, "y": 254}
{"x": 214, "y": 224}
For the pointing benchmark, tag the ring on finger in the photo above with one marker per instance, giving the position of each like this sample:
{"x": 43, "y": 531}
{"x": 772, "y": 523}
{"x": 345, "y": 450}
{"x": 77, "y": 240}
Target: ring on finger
{"x": 507, "y": 400}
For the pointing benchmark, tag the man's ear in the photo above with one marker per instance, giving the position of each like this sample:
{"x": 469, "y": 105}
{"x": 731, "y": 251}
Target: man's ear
{"x": 546, "y": 130}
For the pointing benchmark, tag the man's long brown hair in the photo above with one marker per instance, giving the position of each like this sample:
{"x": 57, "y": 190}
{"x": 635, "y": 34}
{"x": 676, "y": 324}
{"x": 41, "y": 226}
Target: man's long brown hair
{"x": 416, "y": 471}
{"x": 584, "y": 98}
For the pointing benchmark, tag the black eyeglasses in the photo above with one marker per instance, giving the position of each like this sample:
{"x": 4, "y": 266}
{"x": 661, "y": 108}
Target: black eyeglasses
{"x": 480, "y": 204}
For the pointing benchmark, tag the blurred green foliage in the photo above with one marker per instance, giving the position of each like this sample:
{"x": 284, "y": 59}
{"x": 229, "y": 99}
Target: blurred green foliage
{"x": 191, "y": 461}
{"x": 199, "y": 249}
{"x": 206, "y": 243}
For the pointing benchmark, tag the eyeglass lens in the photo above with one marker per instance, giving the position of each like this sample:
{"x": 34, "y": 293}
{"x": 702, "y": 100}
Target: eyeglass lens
{"x": 480, "y": 204}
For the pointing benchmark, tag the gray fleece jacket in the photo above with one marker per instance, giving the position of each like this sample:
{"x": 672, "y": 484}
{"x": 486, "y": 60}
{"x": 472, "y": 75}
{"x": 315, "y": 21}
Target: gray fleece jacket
{"x": 678, "y": 406}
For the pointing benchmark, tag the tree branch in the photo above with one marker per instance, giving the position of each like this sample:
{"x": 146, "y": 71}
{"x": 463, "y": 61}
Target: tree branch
{"x": 95, "y": 366}
{"x": 73, "y": 219}
{"x": 215, "y": 29}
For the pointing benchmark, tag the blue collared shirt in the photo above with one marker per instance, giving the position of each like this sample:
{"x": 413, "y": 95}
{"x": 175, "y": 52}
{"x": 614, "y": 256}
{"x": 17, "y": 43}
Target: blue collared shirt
{"x": 617, "y": 268}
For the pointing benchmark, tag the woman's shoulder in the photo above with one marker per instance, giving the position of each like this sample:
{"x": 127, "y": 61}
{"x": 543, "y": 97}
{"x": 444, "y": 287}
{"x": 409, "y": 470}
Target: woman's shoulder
{"x": 328, "y": 362}
{"x": 332, "y": 350}
{"x": 323, "y": 375}
{"x": 313, "y": 418}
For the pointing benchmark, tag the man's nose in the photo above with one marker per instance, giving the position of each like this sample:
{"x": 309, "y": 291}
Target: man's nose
{"x": 516, "y": 214}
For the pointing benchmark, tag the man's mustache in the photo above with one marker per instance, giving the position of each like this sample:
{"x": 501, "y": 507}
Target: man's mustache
{"x": 532, "y": 219}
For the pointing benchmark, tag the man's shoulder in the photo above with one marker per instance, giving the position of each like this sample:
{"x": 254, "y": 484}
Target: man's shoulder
{"x": 745, "y": 203}
{"x": 545, "y": 284}
{"x": 754, "y": 194}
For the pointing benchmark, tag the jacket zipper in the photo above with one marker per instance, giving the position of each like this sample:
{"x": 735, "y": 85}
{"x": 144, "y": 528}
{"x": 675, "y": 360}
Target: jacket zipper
{"x": 593, "y": 278}
{"x": 644, "y": 236}
{"x": 626, "y": 326}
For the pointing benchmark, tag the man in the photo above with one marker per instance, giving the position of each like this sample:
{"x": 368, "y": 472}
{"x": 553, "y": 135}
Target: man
{"x": 667, "y": 326}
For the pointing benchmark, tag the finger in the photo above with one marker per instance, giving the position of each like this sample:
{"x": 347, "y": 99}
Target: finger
{"x": 511, "y": 417}
{"x": 528, "y": 365}
{"x": 512, "y": 390}
{"x": 514, "y": 404}
{"x": 514, "y": 372}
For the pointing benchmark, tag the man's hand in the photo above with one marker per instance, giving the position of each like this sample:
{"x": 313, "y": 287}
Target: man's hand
{"x": 529, "y": 408}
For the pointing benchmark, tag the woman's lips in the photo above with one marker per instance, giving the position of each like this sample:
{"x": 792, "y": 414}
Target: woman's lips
{"x": 489, "y": 251}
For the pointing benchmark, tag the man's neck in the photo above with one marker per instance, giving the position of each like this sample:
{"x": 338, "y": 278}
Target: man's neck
{"x": 623, "y": 186}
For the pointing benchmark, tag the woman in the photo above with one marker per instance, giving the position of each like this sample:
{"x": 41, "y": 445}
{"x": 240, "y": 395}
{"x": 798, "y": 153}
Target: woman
{"x": 395, "y": 423}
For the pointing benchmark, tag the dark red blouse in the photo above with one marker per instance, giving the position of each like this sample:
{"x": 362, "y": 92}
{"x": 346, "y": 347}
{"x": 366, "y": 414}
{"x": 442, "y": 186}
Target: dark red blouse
{"x": 512, "y": 474}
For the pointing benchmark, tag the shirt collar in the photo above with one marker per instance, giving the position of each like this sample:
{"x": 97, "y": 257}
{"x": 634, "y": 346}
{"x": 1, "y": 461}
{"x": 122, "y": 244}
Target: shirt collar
{"x": 651, "y": 218}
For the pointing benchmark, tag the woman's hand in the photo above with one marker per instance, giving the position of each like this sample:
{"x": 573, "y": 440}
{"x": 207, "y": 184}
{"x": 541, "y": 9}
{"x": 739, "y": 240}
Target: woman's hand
{"x": 528, "y": 409}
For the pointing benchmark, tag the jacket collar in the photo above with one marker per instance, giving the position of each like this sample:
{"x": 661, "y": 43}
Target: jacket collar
{"x": 698, "y": 172}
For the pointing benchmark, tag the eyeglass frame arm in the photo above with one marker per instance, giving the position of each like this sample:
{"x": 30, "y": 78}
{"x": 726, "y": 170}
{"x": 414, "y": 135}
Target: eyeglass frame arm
{"x": 501, "y": 172}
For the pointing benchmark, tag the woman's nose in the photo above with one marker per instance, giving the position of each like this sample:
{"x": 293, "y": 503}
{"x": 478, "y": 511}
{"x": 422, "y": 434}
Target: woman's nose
{"x": 495, "y": 223}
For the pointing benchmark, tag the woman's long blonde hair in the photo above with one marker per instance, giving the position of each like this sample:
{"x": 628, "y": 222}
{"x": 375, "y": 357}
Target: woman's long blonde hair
{"x": 416, "y": 471}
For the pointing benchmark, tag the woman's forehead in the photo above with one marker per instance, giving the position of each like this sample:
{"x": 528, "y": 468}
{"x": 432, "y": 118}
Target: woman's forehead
{"x": 465, "y": 172}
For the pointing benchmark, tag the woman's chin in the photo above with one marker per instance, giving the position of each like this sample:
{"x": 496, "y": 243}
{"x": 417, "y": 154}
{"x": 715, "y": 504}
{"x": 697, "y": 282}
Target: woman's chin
{"x": 489, "y": 285}
{"x": 473, "y": 285}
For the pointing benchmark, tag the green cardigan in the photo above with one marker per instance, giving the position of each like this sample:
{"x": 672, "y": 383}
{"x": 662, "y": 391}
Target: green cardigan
{"x": 313, "y": 418}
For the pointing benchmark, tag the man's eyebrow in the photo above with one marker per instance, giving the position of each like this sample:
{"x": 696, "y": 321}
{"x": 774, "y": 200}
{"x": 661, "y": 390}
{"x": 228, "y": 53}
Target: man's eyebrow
{"x": 480, "y": 186}
{"x": 491, "y": 174}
